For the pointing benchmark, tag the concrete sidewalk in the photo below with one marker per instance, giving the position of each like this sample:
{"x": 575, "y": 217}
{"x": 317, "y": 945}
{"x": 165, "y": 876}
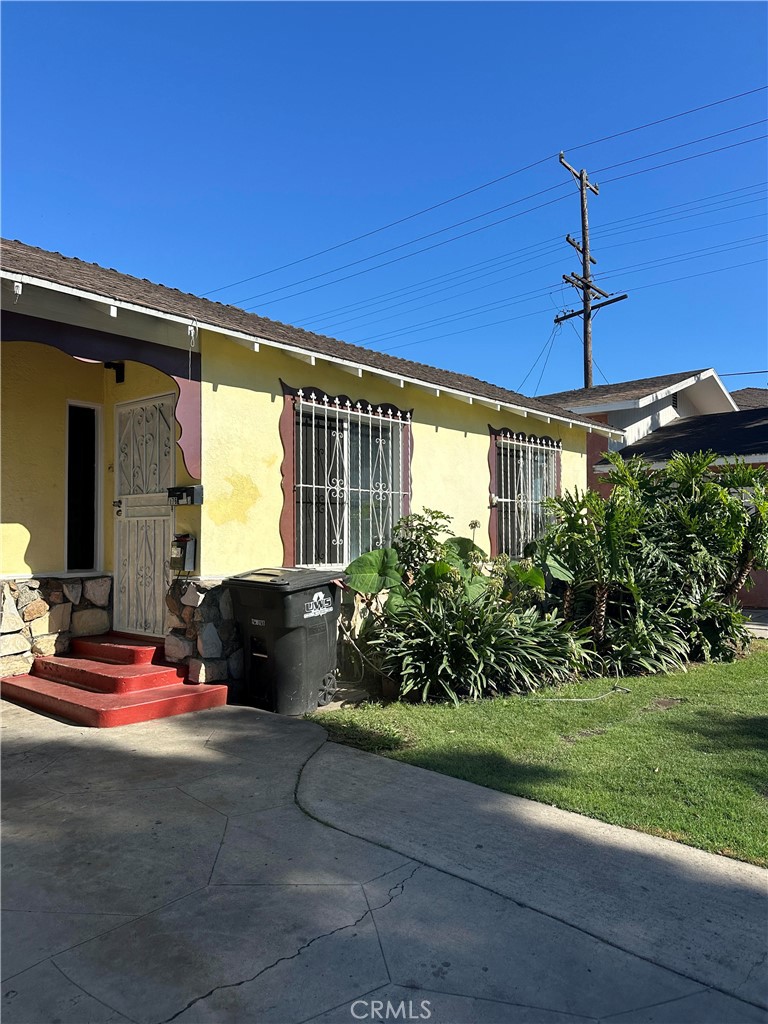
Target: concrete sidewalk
{"x": 232, "y": 866}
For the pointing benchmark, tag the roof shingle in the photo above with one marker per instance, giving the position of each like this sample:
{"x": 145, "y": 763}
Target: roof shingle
{"x": 626, "y": 391}
{"x": 727, "y": 433}
{"x": 17, "y": 257}
{"x": 751, "y": 398}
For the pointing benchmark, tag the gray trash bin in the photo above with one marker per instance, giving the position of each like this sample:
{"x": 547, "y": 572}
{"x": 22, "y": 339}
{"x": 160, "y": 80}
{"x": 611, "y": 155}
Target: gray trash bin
{"x": 289, "y": 623}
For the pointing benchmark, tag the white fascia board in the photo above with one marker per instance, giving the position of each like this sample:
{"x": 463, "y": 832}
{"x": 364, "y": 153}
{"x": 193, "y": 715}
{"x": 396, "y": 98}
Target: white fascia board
{"x": 709, "y": 374}
{"x": 305, "y": 354}
{"x": 655, "y": 396}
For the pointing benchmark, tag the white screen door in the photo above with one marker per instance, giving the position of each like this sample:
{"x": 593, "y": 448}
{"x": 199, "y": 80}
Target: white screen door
{"x": 144, "y": 468}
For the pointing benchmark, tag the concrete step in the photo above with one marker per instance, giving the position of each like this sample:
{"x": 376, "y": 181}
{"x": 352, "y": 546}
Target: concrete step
{"x": 104, "y": 710}
{"x": 117, "y": 647}
{"x": 106, "y": 677}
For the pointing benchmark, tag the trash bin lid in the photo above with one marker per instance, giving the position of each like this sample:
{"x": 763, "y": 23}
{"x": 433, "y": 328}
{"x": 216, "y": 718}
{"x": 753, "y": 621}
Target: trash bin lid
{"x": 286, "y": 579}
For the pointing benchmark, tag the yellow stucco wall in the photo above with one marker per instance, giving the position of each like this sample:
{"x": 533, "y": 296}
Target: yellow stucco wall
{"x": 238, "y": 524}
{"x": 242, "y": 402}
{"x": 37, "y": 383}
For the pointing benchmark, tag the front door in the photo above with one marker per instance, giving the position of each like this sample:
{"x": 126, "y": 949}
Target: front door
{"x": 144, "y": 469}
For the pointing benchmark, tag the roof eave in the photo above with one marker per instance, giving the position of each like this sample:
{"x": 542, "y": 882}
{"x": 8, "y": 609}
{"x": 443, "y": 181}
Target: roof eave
{"x": 253, "y": 341}
{"x": 656, "y": 396}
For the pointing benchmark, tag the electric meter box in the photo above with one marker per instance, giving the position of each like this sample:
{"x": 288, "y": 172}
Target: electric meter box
{"x": 183, "y": 553}
{"x": 190, "y": 495}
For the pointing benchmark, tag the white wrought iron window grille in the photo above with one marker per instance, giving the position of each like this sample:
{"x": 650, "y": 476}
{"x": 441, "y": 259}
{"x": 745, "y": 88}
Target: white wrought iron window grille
{"x": 352, "y": 477}
{"x": 527, "y": 470}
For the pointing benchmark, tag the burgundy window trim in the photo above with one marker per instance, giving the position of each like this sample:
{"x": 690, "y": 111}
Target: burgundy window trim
{"x": 493, "y": 518}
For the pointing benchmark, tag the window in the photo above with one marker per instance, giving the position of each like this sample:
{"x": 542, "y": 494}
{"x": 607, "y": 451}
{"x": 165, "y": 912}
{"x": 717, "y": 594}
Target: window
{"x": 525, "y": 470}
{"x": 351, "y": 479}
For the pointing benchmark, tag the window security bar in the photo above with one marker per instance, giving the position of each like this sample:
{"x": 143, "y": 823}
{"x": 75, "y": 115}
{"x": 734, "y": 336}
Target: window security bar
{"x": 352, "y": 476}
{"x": 526, "y": 474}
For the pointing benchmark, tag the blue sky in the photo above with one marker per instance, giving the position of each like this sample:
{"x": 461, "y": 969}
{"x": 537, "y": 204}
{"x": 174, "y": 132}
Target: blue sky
{"x": 201, "y": 144}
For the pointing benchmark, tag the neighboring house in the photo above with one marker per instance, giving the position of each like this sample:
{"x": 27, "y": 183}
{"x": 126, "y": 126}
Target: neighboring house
{"x": 687, "y": 412}
{"x": 751, "y": 398}
{"x": 639, "y": 407}
{"x": 743, "y": 434}
{"x": 308, "y": 450}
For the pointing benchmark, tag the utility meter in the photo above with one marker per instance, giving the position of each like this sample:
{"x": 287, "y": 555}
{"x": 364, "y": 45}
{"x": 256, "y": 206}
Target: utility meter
{"x": 190, "y": 495}
{"x": 183, "y": 552}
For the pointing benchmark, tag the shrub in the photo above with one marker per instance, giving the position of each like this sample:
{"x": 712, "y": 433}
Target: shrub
{"x": 448, "y": 646}
{"x": 657, "y": 565}
{"x": 416, "y": 539}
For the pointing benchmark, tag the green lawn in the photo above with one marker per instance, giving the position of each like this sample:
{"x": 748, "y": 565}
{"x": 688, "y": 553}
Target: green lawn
{"x": 681, "y": 756}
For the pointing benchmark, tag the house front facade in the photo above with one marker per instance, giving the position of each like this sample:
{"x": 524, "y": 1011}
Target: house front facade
{"x": 155, "y": 443}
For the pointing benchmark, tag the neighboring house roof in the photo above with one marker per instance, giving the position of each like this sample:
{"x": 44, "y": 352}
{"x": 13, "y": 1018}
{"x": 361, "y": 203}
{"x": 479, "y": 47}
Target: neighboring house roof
{"x": 751, "y": 398}
{"x": 632, "y": 392}
{"x": 743, "y": 434}
{"x": 39, "y": 264}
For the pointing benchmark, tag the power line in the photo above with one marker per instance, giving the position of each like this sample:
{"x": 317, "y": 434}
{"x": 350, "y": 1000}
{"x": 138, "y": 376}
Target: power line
{"x": 541, "y": 375}
{"x": 523, "y": 316}
{"x": 498, "y": 260}
{"x": 704, "y": 273}
{"x": 743, "y": 373}
{"x": 526, "y": 296}
{"x": 578, "y": 338}
{"x": 487, "y": 184}
{"x": 479, "y": 216}
{"x": 538, "y": 357}
{"x": 685, "y": 159}
{"x": 682, "y": 145}
{"x": 367, "y": 323}
{"x": 484, "y": 227}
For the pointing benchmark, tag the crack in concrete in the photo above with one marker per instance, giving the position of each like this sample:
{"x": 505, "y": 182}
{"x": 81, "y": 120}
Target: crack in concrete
{"x": 218, "y": 852}
{"x": 518, "y": 903}
{"x": 754, "y": 967}
{"x": 392, "y": 894}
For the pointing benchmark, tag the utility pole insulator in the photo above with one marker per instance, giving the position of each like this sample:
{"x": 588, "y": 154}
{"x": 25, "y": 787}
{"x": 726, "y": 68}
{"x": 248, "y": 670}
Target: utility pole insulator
{"x": 577, "y": 247}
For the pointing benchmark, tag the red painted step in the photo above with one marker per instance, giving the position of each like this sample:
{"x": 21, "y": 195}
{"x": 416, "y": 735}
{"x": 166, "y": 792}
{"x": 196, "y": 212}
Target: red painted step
{"x": 106, "y": 676}
{"x": 104, "y": 710}
{"x": 116, "y": 647}
{"x": 111, "y": 680}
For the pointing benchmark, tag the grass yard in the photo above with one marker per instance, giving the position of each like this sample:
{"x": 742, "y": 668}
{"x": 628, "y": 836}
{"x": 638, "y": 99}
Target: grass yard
{"x": 681, "y": 756}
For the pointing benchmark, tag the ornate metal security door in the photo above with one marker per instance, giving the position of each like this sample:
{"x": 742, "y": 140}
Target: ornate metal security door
{"x": 144, "y": 469}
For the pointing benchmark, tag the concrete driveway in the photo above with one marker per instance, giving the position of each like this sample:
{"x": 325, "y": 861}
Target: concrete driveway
{"x": 233, "y": 866}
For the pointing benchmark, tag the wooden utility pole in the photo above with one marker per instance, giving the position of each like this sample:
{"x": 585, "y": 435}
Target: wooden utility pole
{"x": 583, "y": 282}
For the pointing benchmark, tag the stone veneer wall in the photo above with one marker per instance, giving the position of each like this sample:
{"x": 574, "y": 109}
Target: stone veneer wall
{"x": 202, "y": 631}
{"x": 39, "y": 616}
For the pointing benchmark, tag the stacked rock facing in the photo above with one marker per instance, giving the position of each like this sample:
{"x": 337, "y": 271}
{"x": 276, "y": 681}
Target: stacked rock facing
{"x": 202, "y": 632}
{"x": 39, "y": 617}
